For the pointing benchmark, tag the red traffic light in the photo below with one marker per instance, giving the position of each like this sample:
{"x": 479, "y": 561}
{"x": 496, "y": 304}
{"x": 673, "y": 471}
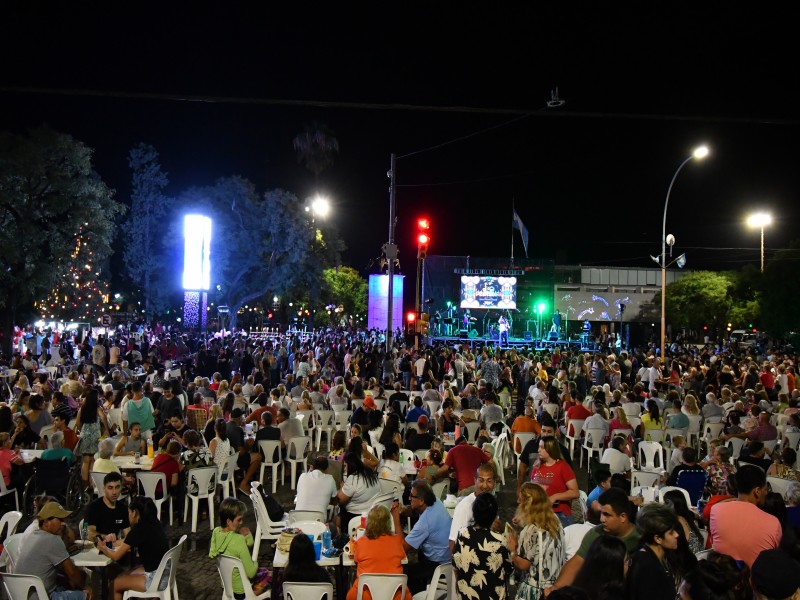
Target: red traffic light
{"x": 411, "y": 317}
{"x": 423, "y": 223}
{"x": 423, "y": 238}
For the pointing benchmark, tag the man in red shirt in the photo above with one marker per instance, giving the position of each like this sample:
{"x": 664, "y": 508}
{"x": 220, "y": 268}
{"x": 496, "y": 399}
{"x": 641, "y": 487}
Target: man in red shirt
{"x": 464, "y": 459}
{"x": 578, "y": 411}
{"x": 169, "y": 463}
{"x": 70, "y": 437}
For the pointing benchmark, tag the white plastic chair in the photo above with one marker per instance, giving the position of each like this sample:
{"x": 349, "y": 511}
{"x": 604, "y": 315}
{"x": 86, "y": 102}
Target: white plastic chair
{"x": 269, "y": 448}
{"x": 19, "y": 586}
{"x": 433, "y": 406}
{"x": 306, "y": 515}
{"x": 671, "y": 488}
{"x": 551, "y": 409}
{"x": 693, "y": 433}
{"x": 115, "y": 418}
{"x": 266, "y": 528}
{"x": 442, "y": 585}
{"x": 226, "y": 565}
{"x": 440, "y": 488}
{"x": 406, "y": 455}
{"x": 712, "y": 431}
{"x": 501, "y": 456}
{"x": 356, "y": 403}
{"x": 632, "y": 409}
{"x": 577, "y": 426}
{"x": 654, "y": 435}
{"x": 171, "y": 557}
{"x": 671, "y": 433}
{"x": 226, "y": 476}
{"x": 380, "y": 404}
{"x": 634, "y": 422}
{"x": 651, "y": 456}
{"x": 9, "y": 522}
{"x": 201, "y": 477}
{"x": 324, "y": 424}
{"x": 770, "y": 445}
{"x": 648, "y": 493}
{"x": 47, "y": 433}
{"x": 593, "y": 444}
{"x": 315, "y": 528}
{"x": 523, "y": 437}
{"x": 382, "y": 586}
{"x": 4, "y": 491}
{"x": 472, "y": 428}
{"x": 299, "y": 447}
{"x": 778, "y": 485}
{"x": 792, "y": 439}
{"x": 643, "y": 479}
{"x": 149, "y": 482}
{"x": 308, "y": 591}
{"x": 307, "y": 419}
{"x": 421, "y": 454}
{"x": 342, "y": 421}
{"x": 735, "y": 445}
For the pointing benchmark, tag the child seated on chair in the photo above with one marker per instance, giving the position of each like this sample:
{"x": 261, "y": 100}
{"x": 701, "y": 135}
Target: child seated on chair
{"x": 678, "y": 444}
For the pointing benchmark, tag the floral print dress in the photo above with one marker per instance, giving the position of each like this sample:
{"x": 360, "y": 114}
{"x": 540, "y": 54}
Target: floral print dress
{"x": 546, "y": 554}
{"x": 482, "y": 563}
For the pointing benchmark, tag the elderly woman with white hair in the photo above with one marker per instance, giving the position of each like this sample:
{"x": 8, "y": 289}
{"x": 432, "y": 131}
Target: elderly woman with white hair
{"x": 793, "y": 503}
{"x": 57, "y": 451}
{"x": 103, "y": 462}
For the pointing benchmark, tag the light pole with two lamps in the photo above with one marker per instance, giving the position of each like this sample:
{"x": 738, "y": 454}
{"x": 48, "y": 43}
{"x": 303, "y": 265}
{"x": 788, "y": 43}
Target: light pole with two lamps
{"x": 698, "y": 153}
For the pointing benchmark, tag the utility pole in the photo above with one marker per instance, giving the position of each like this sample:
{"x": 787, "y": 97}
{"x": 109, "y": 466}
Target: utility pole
{"x": 390, "y": 250}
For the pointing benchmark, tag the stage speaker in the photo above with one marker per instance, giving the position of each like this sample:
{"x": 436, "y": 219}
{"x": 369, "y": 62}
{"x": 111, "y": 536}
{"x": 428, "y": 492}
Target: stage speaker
{"x": 528, "y": 336}
{"x": 463, "y": 332}
{"x": 473, "y": 333}
{"x": 553, "y": 336}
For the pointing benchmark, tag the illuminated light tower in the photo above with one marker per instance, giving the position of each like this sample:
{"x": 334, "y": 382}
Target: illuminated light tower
{"x": 760, "y": 220}
{"x": 196, "y": 270}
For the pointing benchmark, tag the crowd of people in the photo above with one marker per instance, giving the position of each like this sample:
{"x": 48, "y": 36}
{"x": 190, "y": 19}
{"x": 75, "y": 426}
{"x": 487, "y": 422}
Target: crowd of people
{"x": 452, "y": 406}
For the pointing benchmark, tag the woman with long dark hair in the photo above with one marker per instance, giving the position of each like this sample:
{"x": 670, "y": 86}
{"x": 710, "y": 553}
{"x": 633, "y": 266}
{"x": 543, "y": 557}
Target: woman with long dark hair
{"x": 602, "y": 575}
{"x": 359, "y": 488}
{"x": 302, "y": 565}
{"x": 220, "y": 446}
{"x": 148, "y": 537}
{"x": 651, "y": 419}
{"x": 686, "y": 519}
{"x": 91, "y": 424}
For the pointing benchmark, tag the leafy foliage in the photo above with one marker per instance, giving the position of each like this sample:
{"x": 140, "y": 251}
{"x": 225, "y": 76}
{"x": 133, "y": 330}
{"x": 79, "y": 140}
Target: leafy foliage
{"x": 700, "y": 298}
{"x": 781, "y": 291}
{"x": 143, "y": 230}
{"x": 49, "y": 198}
{"x": 345, "y": 287}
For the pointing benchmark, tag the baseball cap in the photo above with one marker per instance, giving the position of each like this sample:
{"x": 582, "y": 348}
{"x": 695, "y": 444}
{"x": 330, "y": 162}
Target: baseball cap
{"x": 369, "y": 402}
{"x": 53, "y": 509}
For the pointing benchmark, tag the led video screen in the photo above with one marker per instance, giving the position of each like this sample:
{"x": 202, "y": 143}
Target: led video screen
{"x": 488, "y": 292}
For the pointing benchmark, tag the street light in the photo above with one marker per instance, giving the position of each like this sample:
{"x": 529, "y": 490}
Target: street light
{"x": 761, "y": 220}
{"x": 321, "y": 206}
{"x": 698, "y": 153}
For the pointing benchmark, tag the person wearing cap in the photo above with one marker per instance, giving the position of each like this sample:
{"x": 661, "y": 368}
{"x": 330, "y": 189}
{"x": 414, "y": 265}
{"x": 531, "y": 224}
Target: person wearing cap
{"x": 249, "y": 459}
{"x": 776, "y": 576}
{"x": 361, "y": 414}
{"x": 46, "y": 556}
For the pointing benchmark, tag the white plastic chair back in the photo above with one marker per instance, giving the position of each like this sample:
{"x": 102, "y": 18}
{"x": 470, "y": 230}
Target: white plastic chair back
{"x": 390, "y": 486}
{"x": 770, "y": 445}
{"x": 472, "y": 429}
{"x": 380, "y": 404}
{"x": 315, "y": 528}
{"x": 266, "y": 528}
{"x": 149, "y": 482}
{"x": 353, "y": 525}
{"x": 307, "y": 419}
{"x": 551, "y": 409}
{"x": 342, "y": 421}
{"x": 654, "y": 435}
{"x": 792, "y": 439}
{"x": 632, "y": 409}
{"x": 671, "y": 433}
{"x": 651, "y": 456}
{"x": 170, "y": 559}
{"x": 8, "y": 523}
{"x": 19, "y": 586}
{"x": 406, "y": 455}
{"x": 643, "y": 479}
{"x": 4, "y": 491}
{"x": 226, "y": 566}
{"x": 672, "y": 488}
{"x": 442, "y": 585}
{"x": 200, "y": 477}
{"x": 576, "y": 426}
{"x": 421, "y": 454}
{"x": 356, "y": 403}
{"x": 712, "y": 431}
{"x": 272, "y": 460}
{"x": 324, "y": 424}
{"x": 593, "y": 444}
{"x": 115, "y": 418}
{"x": 648, "y": 493}
{"x": 778, "y": 485}
{"x": 308, "y": 591}
{"x": 523, "y": 437}
{"x": 47, "y": 433}
{"x": 440, "y": 488}
{"x": 736, "y": 445}
{"x": 306, "y": 515}
{"x": 226, "y": 475}
{"x": 433, "y": 406}
{"x": 97, "y": 481}
{"x": 382, "y": 586}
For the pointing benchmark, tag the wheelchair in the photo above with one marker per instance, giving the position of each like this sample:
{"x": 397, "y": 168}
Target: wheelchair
{"x": 55, "y": 478}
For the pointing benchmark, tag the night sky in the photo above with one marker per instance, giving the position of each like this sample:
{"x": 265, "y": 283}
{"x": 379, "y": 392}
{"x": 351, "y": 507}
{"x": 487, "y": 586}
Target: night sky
{"x": 641, "y": 88}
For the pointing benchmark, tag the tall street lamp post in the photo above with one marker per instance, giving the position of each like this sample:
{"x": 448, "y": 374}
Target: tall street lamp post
{"x": 699, "y": 153}
{"x": 761, "y": 220}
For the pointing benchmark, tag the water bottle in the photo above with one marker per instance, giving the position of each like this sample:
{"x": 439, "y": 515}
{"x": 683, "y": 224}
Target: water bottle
{"x": 326, "y": 538}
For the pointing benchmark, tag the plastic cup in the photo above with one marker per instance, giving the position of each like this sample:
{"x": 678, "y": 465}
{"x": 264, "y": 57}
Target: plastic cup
{"x": 318, "y": 550}
{"x": 363, "y": 522}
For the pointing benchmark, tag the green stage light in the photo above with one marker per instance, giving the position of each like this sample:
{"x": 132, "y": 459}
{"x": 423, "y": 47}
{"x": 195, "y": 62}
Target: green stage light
{"x": 542, "y": 307}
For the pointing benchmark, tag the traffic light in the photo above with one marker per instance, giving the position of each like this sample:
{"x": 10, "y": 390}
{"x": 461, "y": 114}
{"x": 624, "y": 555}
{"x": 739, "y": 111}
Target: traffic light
{"x": 410, "y": 318}
{"x": 424, "y": 323}
{"x": 423, "y": 237}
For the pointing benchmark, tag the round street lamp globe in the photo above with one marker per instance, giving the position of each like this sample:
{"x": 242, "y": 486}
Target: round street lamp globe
{"x": 321, "y": 206}
{"x": 700, "y": 152}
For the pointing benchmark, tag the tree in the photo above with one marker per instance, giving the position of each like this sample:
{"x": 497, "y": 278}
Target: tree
{"x": 781, "y": 290}
{"x": 144, "y": 228}
{"x": 697, "y": 299}
{"x": 259, "y": 244}
{"x": 50, "y": 198}
{"x": 315, "y": 147}
{"x": 345, "y": 287}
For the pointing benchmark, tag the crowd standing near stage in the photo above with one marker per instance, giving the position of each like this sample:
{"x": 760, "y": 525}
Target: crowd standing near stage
{"x": 717, "y": 519}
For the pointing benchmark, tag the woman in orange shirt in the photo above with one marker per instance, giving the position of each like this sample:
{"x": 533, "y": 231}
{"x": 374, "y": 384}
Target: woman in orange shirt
{"x": 378, "y": 551}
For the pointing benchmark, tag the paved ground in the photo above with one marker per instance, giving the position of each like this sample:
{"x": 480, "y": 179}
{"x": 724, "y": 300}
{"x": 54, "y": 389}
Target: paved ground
{"x": 197, "y": 573}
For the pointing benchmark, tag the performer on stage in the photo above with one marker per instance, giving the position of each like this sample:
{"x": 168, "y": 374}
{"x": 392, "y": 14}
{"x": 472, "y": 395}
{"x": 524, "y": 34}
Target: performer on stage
{"x": 502, "y": 325}
{"x": 466, "y": 319}
{"x": 557, "y": 321}
{"x": 437, "y": 320}
{"x": 587, "y": 327}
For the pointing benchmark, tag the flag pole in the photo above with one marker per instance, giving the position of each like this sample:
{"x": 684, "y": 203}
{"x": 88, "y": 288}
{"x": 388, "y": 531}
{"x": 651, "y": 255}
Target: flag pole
{"x": 512, "y": 231}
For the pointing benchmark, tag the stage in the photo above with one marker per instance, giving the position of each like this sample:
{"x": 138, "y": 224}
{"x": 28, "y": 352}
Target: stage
{"x": 583, "y": 345}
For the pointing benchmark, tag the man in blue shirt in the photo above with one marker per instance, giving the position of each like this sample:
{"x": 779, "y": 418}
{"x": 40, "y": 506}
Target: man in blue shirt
{"x": 413, "y": 415}
{"x": 430, "y": 537}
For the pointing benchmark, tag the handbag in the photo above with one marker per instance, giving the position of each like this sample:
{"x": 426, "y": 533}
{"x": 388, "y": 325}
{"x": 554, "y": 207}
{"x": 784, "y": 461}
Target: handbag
{"x": 286, "y": 537}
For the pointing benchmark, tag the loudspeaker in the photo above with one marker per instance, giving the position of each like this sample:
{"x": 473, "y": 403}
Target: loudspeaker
{"x": 528, "y": 336}
{"x": 553, "y": 336}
